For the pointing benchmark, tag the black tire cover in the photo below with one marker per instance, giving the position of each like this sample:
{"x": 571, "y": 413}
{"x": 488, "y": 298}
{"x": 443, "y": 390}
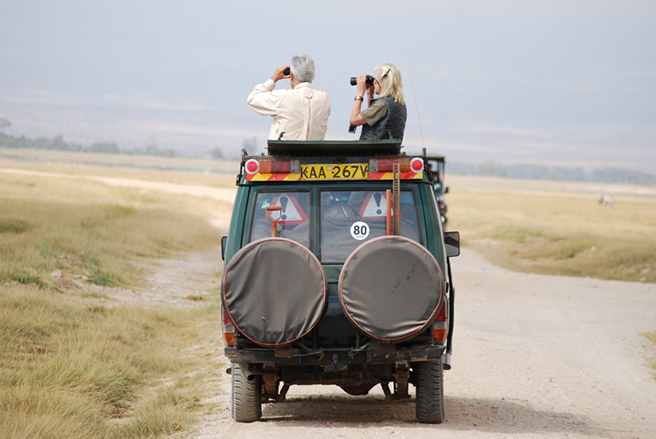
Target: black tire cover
{"x": 274, "y": 291}
{"x": 391, "y": 288}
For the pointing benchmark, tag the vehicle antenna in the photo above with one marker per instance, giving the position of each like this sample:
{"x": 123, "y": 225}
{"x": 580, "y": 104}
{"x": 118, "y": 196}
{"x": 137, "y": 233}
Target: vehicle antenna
{"x": 414, "y": 92}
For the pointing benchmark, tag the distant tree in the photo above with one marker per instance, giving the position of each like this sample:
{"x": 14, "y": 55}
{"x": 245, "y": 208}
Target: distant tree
{"x": 216, "y": 153}
{"x": 104, "y": 147}
{"x": 152, "y": 149}
{"x": 490, "y": 169}
{"x": 58, "y": 142}
{"x": 4, "y": 123}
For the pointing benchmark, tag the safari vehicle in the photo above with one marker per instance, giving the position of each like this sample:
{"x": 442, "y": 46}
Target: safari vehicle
{"x": 436, "y": 166}
{"x": 337, "y": 272}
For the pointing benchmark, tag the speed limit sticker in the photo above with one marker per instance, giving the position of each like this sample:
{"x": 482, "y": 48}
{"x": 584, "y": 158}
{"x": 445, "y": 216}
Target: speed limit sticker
{"x": 359, "y": 230}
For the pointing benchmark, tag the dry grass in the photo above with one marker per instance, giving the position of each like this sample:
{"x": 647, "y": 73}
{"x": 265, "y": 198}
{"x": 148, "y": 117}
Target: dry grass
{"x": 557, "y": 228}
{"x": 76, "y": 371}
{"x": 70, "y": 366}
{"x": 652, "y": 363}
{"x": 88, "y": 229}
{"x": 111, "y": 163}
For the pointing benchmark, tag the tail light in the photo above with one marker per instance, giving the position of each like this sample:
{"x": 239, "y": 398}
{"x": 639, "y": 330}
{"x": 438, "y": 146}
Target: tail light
{"x": 440, "y": 327}
{"x": 228, "y": 329}
{"x": 254, "y": 166}
{"x": 406, "y": 164}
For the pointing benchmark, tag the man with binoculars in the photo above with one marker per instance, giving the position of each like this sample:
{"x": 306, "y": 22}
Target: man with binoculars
{"x": 385, "y": 117}
{"x": 298, "y": 114}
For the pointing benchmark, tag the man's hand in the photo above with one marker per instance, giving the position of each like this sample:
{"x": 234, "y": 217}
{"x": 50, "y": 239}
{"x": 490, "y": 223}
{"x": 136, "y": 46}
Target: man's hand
{"x": 279, "y": 73}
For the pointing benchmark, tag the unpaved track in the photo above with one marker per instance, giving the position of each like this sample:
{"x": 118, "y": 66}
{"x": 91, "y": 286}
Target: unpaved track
{"x": 534, "y": 356}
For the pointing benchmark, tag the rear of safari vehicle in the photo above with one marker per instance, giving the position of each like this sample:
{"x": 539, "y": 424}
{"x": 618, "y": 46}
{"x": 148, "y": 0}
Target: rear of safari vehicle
{"x": 336, "y": 273}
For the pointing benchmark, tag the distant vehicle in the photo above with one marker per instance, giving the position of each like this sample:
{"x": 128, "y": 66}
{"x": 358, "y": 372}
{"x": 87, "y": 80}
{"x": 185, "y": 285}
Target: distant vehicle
{"x": 436, "y": 164}
{"x": 337, "y": 272}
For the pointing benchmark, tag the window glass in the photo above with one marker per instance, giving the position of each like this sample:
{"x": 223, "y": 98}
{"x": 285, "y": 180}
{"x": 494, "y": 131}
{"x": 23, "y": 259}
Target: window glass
{"x": 349, "y": 218}
{"x": 293, "y": 217}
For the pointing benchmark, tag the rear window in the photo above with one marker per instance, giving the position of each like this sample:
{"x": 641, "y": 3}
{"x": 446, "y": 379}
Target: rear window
{"x": 293, "y": 218}
{"x": 350, "y": 218}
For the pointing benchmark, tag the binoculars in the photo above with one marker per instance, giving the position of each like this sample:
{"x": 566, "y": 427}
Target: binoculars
{"x": 370, "y": 80}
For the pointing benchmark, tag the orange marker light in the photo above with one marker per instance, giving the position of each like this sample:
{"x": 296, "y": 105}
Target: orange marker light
{"x": 439, "y": 334}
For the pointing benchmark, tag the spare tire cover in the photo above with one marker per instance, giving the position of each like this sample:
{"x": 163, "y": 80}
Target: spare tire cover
{"x": 274, "y": 291}
{"x": 391, "y": 288}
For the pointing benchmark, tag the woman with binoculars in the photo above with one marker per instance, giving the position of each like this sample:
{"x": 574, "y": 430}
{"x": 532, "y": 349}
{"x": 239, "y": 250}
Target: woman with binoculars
{"x": 385, "y": 116}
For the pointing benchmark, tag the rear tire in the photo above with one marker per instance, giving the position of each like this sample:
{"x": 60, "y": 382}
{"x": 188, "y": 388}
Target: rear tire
{"x": 430, "y": 392}
{"x": 246, "y": 395}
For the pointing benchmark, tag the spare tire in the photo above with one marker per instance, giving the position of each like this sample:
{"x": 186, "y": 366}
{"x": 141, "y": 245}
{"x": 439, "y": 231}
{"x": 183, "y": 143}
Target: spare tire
{"x": 274, "y": 291}
{"x": 391, "y": 288}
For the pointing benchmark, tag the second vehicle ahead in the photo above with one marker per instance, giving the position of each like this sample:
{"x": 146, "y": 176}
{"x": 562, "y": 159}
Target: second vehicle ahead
{"x": 436, "y": 168}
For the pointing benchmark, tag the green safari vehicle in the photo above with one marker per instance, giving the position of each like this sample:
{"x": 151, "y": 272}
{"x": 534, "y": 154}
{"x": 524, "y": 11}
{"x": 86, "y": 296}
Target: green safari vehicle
{"x": 337, "y": 272}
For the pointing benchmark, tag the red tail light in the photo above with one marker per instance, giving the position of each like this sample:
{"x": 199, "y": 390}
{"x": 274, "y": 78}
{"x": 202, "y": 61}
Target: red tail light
{"x": 440, "y": 330}
{"x": 252, "y": 166}
{"x": 279, "y": 166}
{"x": 416, "y": 165}
{"x": 387, "y": 165}
{"x": 406, "y": 164}
{"x": 228, "y": 329}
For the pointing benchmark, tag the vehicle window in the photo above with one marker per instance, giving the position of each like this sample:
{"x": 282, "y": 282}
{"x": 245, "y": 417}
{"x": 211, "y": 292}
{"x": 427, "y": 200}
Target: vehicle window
{"x": 349, "y": 218}
{"x": 293, "y": 222}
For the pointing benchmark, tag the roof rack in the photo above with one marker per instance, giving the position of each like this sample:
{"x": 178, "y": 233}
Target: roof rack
{"x": 307, "y": 148}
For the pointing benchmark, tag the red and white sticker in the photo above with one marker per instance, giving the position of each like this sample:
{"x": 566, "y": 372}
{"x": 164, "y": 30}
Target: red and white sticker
{"x": 292, "y": 212}
{"x": 374, "y": 206}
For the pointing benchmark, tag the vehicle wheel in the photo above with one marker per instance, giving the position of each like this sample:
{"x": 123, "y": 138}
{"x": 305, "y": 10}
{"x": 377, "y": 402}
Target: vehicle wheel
{"x": 246, "y": 395}
{"x": 430, "y": 392}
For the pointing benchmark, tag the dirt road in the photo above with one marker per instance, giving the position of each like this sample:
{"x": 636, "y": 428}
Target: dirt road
{"x": 534, "y": 356}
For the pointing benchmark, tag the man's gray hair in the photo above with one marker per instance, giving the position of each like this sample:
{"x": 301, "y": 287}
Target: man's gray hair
{"x": 303, "y": 68}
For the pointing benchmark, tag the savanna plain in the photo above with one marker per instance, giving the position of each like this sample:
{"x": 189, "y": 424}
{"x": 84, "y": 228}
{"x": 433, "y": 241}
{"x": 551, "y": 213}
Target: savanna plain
{"x": 110, "y": 276}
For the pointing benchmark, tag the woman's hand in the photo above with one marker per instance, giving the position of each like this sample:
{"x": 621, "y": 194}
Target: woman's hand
{"x": 361, "y": 85}
{"x": 356, "y": 118}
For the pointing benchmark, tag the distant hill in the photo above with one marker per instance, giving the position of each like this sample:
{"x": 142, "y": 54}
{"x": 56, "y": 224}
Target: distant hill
{"x": 555, "y": 173}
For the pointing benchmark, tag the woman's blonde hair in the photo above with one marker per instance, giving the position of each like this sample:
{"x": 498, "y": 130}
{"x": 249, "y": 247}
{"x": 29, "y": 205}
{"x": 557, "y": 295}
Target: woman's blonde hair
{"x": 393, "y": 84}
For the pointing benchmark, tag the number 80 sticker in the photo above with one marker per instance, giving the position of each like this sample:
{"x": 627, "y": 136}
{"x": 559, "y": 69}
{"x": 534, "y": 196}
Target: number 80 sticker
{"x": 359, "y": 230}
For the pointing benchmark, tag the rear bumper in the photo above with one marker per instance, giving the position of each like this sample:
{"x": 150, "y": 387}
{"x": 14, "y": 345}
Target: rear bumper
{"x": 335, "y": 359}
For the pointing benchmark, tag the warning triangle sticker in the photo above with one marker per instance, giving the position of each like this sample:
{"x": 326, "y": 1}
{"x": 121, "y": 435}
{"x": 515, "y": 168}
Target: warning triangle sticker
{"x": 292, "y": 213}
{"x": 374, "y": 206}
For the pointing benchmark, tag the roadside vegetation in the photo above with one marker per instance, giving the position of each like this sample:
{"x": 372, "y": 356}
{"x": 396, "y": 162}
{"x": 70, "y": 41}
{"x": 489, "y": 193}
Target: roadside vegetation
{"x": 116, "y": 164}
{"x": 557, "y": 228}
{"x": 75, "y": 362}
{"x": 652, "y": 361}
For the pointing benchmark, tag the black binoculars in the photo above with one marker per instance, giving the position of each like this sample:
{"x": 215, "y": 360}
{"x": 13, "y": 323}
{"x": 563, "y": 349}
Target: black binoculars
{"x": 370, "y": 80}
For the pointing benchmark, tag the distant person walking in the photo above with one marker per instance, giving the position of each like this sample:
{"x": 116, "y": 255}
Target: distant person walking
{"x": 384, "y": 117}
{"x": 298, "y": 114}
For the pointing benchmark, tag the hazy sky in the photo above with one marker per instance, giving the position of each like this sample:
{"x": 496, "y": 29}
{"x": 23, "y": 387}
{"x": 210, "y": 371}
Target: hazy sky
{"x": 512, "y": 81}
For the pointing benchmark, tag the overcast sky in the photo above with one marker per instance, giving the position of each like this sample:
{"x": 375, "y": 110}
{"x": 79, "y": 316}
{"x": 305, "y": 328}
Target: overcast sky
{"x": 567, "y": 81}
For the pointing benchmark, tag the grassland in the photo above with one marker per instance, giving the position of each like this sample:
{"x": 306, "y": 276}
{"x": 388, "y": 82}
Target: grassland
{"x": 557, "y": 228}
{"x": 80, "y": 365}
{"x": 111, "y": 162}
